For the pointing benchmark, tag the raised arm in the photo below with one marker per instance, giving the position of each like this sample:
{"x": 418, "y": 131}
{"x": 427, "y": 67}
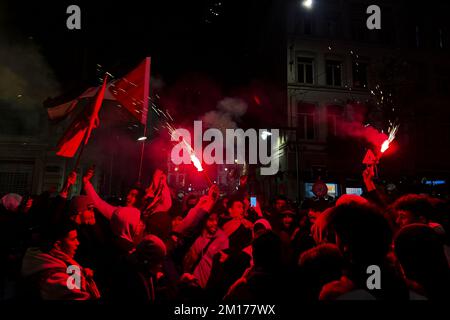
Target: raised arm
{"x": 105, "y": 208}
{"x": 194, "y": 217}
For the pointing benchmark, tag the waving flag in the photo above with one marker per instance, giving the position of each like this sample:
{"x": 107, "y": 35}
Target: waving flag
{"x": 81, "y": 127}
{"x": 131, "y": 91}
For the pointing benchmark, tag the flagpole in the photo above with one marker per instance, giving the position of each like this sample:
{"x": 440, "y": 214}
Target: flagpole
{"x": 77, "y": 162}
{"x": 94, "y": 116}
{"x": 145, "y": 111}
{"x": 142, "y": 154}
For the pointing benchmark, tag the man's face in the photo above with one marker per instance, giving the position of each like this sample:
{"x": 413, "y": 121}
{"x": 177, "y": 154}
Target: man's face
{"x": 132, "y": 198}
{"x": 405, "y": 218}
{"x": 192, "y": 202}
{"x": 287, "y": 220}
{"x": 88, "y": 216}
{"x": 312, "y": 215}
{"x": 212, "y": 224}
{"x": 176, "y": 221}
{"x": 237, "y": 210}
{"x": 69, "y": 244}
{"x": 280, "y": 204}
{"x": 29, "y": 203}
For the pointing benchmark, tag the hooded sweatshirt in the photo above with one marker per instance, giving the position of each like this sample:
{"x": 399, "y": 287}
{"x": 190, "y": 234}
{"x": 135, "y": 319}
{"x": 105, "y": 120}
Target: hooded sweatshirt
{"x": 49, "y": 272}
{"x": 202, "y": 271}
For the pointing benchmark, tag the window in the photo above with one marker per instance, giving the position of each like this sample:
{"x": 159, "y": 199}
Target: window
{"x": 443, "y": 80}
{"x": 334, "y": 114}
{"x": 331, "y": 27}
{"x": 305, "y": 70}
{"x": 334, "y": 73}
{"x": 359, "y": 75}
{"x": 15, "y": 182}
{"x": 305, "y": 121}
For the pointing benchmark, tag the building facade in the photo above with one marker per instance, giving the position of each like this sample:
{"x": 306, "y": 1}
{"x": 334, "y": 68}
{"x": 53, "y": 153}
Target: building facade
{"x": 336, "y": 69}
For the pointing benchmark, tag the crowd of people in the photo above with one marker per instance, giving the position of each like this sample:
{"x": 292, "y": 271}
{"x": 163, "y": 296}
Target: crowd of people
{"x": 222, "y": 247}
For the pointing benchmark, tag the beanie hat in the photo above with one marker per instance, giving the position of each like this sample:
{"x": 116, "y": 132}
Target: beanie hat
{"x": 11, "y": 201}
{"x": 150, "y": 250}
{"x": 79, "y": 203}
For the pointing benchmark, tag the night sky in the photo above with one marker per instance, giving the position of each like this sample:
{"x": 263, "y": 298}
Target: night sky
{"x": 219, "y": 38}
{"x": 202, "y": 51}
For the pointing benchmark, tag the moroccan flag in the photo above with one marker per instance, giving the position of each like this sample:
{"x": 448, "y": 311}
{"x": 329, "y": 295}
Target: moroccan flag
{"x": 131, "y": 91}
{"x": 81, "y": 127}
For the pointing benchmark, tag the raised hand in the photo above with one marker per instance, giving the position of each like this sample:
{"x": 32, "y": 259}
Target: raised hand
{"x": 88, "y": 175}
{"x": 70, "y": 181}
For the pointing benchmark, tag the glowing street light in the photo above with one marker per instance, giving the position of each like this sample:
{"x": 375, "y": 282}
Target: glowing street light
{"x": 142, "y": 139}
{"x": 307, "y": 4}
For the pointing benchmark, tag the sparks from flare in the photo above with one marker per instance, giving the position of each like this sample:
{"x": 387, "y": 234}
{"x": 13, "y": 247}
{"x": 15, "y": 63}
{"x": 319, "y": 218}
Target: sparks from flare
{"x": 195, "y": 161}
{"x": 392, "y": 132}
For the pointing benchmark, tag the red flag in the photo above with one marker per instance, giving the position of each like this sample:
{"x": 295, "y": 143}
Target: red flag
{"x": 132, "y": 91}
{"x": 81, "y": 127}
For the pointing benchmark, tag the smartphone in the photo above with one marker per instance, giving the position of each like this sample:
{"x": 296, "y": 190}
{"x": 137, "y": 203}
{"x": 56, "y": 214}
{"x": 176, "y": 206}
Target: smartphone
{"x": 252, "y": 201}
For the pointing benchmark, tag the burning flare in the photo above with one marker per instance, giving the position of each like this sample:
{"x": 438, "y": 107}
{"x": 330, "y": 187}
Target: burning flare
{"x": 392, "y": 132}
{"x": 385, "y": 145}
{"x": 195, "y": 161}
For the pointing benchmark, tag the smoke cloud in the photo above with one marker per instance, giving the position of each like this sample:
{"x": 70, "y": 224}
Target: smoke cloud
{"x": 229, "y": 110}
{"x": 26, "y": 80}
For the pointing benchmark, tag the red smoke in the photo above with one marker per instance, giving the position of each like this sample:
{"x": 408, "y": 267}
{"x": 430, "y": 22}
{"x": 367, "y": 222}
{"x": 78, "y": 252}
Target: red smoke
{"x": 359, "y": 131}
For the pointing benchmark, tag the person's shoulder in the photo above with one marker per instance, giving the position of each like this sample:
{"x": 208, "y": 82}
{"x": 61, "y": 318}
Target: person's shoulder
{"x": 220, "y": 234}
{"x": 335, "y": 289}
{"x": 237, "y": 290}
{"x": 126, "y": 210}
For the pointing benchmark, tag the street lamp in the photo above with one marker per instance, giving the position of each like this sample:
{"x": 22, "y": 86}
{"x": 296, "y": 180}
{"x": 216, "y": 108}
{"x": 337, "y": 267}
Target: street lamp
{"x": 142, "y": 138}
{"x": 307, "y": 4}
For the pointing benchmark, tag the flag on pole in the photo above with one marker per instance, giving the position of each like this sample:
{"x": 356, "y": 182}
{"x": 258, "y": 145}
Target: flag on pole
{"x": 131, "y": 91}
{"x": 81, "y": 127}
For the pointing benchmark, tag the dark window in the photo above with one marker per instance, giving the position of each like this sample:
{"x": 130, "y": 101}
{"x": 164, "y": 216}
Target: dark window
{"x": 53, "y": 169}
{"x": 331, "y": 28}
{"x": 15, "y": 182}
{"x": 334, "y": 73}
{"x": 332, "y": 25}
{"x": 305, "y": 70}
{"x": 443, "y": 80}
{"x": 334, "y": 114}
{"x": 359, "y": 75}
{"x": 305, "y": 118}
